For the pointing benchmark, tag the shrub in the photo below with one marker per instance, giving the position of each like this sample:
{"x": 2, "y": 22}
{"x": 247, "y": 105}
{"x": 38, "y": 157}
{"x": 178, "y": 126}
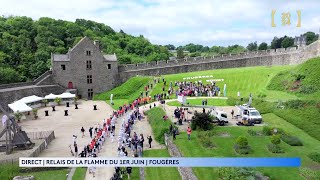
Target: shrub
{"x": 45, "y": 102}
{"x": 35, "y": 113}
{"x": 201, "y": 121}
{"x": 238, "y": 173}
{"x": 18, "y": 116}
{"x": 275, "y": 139}
{"x": 308, "y": 89}
{"x": 266, "y": 130}
{"x": 242, "y": 141}
{"x": 295, "y": 104}
{"x": 291, "y": 140}
{"x": 242, "y": 145}
{"x": 57, "y": 100}
{"x": 274, "y": 148}
{"x": 315, "y": 156}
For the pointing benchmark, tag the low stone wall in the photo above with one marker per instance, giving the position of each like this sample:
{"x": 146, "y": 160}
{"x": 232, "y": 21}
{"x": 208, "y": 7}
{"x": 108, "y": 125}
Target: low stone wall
{"x": 186, "y": 173}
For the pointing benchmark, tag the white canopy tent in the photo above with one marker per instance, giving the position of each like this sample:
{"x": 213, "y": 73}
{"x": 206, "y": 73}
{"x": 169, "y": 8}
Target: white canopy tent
{"x": 66, "y": 95}
{"x": 19, "y": 106}
{"x": 30, "y": 99}
{"x": 51, "y": 96}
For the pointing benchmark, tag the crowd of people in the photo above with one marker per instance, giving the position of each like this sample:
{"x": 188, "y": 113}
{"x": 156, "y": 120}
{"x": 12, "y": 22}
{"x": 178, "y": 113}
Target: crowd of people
{"x": 128, "y": 140}
{"x": 196, "y": 89}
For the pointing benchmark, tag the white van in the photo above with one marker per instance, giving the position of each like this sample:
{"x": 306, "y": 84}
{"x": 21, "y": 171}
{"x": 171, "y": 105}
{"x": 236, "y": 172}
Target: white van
{"x": 221, "y": 116}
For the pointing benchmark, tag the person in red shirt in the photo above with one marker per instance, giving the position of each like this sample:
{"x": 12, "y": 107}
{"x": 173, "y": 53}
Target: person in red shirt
{"x": 189, "y": 132}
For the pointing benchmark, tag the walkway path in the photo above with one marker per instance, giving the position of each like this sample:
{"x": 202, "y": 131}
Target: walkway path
{"x": 110, "y": 148}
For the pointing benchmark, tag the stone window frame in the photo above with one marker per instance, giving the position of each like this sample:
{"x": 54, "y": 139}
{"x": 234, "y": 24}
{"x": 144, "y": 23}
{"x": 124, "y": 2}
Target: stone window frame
{"x": 89, "y": 64}
{"x": 89, "y": 79}
{"x": 109, "y": 66}
{"x": 63, "y": 67}
{"x": 88, "y": 53}
{"x": 90, "y": 92}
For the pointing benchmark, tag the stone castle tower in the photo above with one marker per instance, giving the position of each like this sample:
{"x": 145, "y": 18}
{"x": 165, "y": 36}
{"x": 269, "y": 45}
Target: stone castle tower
{"x": 85, "y": 69}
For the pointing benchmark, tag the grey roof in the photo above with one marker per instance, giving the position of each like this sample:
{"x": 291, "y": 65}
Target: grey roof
{"x": 110, "y": 57}
{"x": 60, "y": 57}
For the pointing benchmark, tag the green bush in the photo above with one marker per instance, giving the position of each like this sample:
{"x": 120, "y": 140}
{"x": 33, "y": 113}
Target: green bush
{"x": 274, "y": 148}
{"x": 308, "y": 89}
{"x": 226, "y": 173}
{"x": 242, "y": 149}
{"x": 242, "y": 145}
{"x": 315, "y": 156}
{"x": 267, "y": 130}
{"x": 291, "y": 140}
{"x": 275, "y": 139}
{"x": 201, "y": 121}
{"x": 242, "y": 141}
{"x": 295, "y": 104}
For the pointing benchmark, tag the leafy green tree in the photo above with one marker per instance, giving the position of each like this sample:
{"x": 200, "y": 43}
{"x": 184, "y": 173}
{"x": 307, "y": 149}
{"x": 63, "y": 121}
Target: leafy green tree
{"x": 252, "y": 46}
{"x": 180, "y": 53}
{"x": 311, "y": 37}
{"x": 8, "y": 75}
{"x": 263, "y": 46}
{"x": 170, "y": 47}
{"x": 287, "y": 42}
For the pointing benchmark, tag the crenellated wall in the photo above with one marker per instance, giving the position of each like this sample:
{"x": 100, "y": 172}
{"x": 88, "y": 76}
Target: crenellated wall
{"x": 281, "y": 56}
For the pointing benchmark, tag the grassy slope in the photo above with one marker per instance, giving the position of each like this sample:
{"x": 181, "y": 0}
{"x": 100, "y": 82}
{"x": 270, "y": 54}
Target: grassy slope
{"x": 285, "y": 79}
{"x": 225, "y": 148}
{"x": 125, "y": 93}
{"x": 80, "y": 173}
{"x": 246, "y": 80}
{"x": 155, "y": 173}
{"x": 158, "y": 125}
{"x": 211, "y": 102}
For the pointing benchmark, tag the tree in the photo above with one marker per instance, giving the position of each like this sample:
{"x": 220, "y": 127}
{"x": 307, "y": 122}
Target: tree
{"x": 180, "y": 53}
{"x": 287, "y": 42}
{"x": 195, "y": 54}
{"x": 263, "y": 46}
{"x": 310, "y": 37}
{"x": 276, "y": 43}
{"x": 201, "y": 121}
{"x": 252, "y": 46}
{"x": 170, "y": 47}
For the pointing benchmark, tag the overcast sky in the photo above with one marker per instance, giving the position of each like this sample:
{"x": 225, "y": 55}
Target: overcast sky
{"x": 206, "y": 22}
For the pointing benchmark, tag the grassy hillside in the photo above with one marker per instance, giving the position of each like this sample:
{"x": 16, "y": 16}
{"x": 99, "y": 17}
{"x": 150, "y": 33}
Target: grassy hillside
{"x": 126, "y": 93}
{"x": 303, "y": 80}
{"x": 246, "y": 80}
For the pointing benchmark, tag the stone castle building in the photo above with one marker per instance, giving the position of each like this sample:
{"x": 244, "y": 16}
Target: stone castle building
{"x": 85, "y": 69}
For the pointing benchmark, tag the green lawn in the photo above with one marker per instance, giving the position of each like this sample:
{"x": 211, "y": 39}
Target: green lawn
{"x": 224, "y": 148}
{"x": 211, "y": 102}
{"x": 49, "y": 175}
{"x": 80, "y": 173}
{"x": 246, "y": 80}
{"x": 154, "y": 173}
{"x": 127, "y": 92}
{"x": 160, "y": 173}
{"x": 9, "y": 171}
